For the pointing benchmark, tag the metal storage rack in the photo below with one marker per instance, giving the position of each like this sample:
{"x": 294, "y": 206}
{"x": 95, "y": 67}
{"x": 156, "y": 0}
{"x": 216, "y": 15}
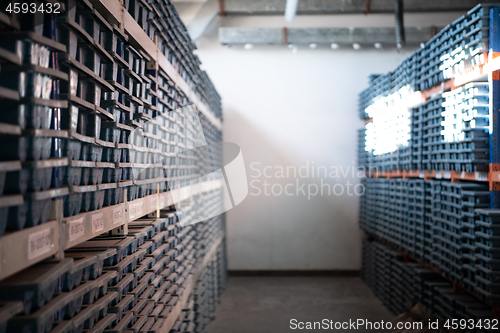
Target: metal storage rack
{"x": 119, "y": 66}
{"x": 434, "y": 199}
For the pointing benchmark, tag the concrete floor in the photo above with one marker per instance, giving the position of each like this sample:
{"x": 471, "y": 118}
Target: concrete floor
{"x": 267, "y": 304}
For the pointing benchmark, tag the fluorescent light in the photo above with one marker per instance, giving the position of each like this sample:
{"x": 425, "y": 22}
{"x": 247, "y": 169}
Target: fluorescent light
{"x": 291, "y": 9}
{"x": 313, "y": 45}
{"x": 248, "y": 46}
{"x": 378, "y": 46}
{"x": 356, "y": 46}
{"x": 334, "y": 46}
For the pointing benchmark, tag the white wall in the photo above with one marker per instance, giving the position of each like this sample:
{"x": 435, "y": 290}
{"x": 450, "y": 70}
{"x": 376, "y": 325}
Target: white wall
{"x": 286, "y": 109}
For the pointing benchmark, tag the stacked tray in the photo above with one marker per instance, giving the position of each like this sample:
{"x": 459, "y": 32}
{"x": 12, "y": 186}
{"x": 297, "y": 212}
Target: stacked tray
{"x": 416, "y": 212}
{"x": 448, "y": 129}
{"x": 90, "y": 116}
{"x": 31, "y": 164}
{"x": 401, "y": 283}
{"x": 486, "y": 264}
{"x": 457, "y": 47}
{"x": 89, "y": 148}
{"x": 465, "y": 128}
{"x": 160, "y": 21}
{"x": 431, "y": 133}
{"x": 456, "y": 206}
{"x": 432, "y": 220}
{"x": 469, "y": 41}
{"x": 120, "y": 283}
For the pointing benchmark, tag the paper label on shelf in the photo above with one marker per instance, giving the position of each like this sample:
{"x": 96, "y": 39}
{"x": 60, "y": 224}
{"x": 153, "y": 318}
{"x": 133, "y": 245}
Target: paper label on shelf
{"x": 136, "y": 209}
{"x": 97, "y": 223}
{"x": 76, "y": 229}
{"x": 131, "y": 210}
{"x": 117, "y": 215}
{"x": 39, "y": 243}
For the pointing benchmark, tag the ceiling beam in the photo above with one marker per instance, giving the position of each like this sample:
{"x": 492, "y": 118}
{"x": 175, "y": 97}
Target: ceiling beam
{"x": 274, "y": 36}
{"x": 202, "y": 19}
{"x": 307, "y": 7}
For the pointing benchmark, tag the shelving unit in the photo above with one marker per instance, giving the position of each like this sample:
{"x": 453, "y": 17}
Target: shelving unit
{"x": 113, "y": 11}
{"x": 433, "y": 178}
{"x": 84, "y": 226}
{"x": 115, "y": 216}
{"x": 117, "y": 96}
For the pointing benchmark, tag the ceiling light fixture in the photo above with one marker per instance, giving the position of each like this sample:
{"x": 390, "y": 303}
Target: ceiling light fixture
{"x": 290, "y": 9}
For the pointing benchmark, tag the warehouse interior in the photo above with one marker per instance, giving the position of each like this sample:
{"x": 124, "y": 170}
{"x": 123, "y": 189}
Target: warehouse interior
{"x": 244, "y": 166}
